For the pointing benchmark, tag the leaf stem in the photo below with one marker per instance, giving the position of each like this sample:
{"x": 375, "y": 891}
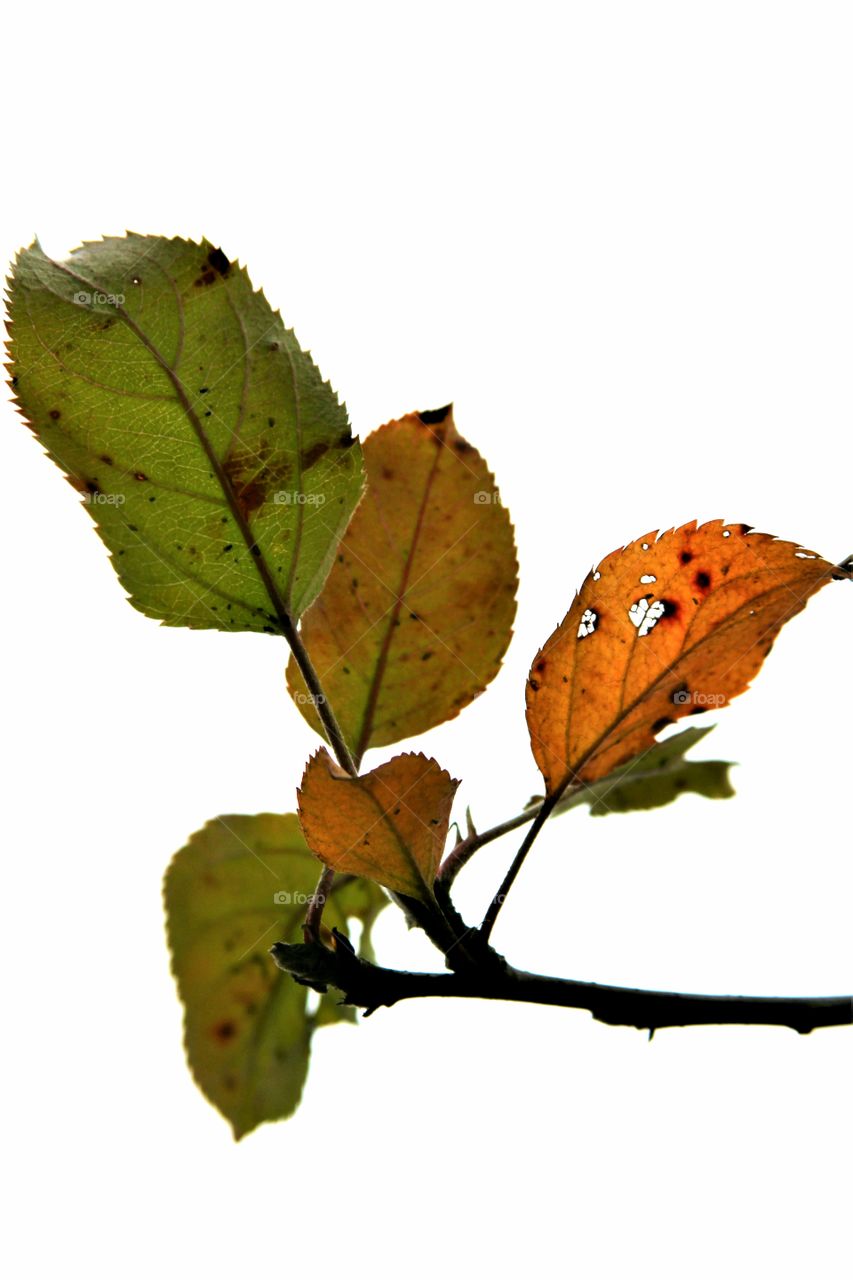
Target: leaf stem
{"x": 543, "y": 814}
{"x": 321, "y": 703}
{"x": 314, "y": 914}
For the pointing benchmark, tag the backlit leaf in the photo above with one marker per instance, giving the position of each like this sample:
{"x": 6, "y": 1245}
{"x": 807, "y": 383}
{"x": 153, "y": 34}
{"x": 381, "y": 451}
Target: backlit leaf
{"x": 654, "y": 778}
{"x": 417, "y": 611}
{"x": 240, "y": 885}
{"x": 218, "y": 466}
{"x": 661, "y": 630}
{"x": 389, "y": 825}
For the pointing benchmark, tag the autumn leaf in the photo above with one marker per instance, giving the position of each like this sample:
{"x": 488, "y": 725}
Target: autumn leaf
{"x": 217, "y": 464}
{"x": 663, "y": 629}
{"x": 417, "y": 611}
{"x": 240, "y": 885}
{"x": 389, "y": 825}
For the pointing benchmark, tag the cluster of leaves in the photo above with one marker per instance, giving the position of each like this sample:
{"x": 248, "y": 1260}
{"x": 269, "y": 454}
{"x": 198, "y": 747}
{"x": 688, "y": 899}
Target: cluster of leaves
{"x": 222, "y": 475}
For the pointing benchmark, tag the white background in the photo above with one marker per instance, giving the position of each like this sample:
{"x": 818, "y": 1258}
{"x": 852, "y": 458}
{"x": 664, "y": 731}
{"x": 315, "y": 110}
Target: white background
{"x": 620, "y": 239}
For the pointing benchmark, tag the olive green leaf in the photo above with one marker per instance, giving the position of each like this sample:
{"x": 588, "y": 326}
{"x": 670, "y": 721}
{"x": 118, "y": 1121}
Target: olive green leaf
{"x": 240, "y": 885}
{"x": 216, "y": 463}
{"x": 654, "y": 778}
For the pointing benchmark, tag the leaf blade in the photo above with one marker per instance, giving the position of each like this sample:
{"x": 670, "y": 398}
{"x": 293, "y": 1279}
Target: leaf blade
{"x": 416, "y": 614}
{"x": 655, "y": 778}
{"x": 181, "y": 410}
{"x": 662, "y": 630}
{"x": 247, "y": 1032}
{"x": 389, "y": 825}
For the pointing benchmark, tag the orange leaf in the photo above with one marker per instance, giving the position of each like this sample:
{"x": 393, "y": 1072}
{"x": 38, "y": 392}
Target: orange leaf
{"x": 417, "y": 612}
{"x": 389, "y": 825}
{"x": 663, "y": 629}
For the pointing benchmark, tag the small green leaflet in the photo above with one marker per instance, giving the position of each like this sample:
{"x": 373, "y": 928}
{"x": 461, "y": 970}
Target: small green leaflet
{"x": 240, "y": 885}
{"x": 654, "y": 778}
{"x": 216, "y": 463}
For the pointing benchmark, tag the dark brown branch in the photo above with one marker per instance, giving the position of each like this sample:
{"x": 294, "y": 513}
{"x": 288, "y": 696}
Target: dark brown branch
{"x": 371, "y": 987}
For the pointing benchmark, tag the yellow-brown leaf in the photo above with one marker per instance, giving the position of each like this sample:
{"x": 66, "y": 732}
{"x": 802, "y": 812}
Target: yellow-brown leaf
{"x": 417, "y": 612}
{"x": 661, "y": 630}
{"x": 389, "y": 825}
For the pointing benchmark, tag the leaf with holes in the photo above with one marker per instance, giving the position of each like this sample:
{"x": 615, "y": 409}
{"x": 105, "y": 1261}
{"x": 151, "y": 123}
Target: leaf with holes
{"x": 417, "y": 611}
{"x": 663, "y": 629}
{"x": 240, "y": 885}
{"x": 389, "y": 825}
{"x": 218, "y": 466}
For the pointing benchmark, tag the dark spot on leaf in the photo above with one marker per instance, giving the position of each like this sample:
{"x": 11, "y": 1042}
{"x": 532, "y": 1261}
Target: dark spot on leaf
{"x": 540, "y": 666}
{"x": 202, "y": 391}
{"x": 702, "y": 580}
{"x": 105, "y": 457}
{"x": 434, "y": 417}
{"x": 534, "y": 685}
{"x": 345, "y": 439}
{"x": 426, "y": 656}
{"x": 139, "y": 475}
{"x": 55, "y": 415}
{"x": 662, "y": 723}
{"x": 686, "y": 557}
{"x": 206, "y": 277}
{"x": 229, "y": 546}
{"x": 219, "y": 262}
{"x": 387, "y": 473}
{"x": 670, "y": 609}
{"x": 746, "y": 528}
{"x": 314, "y": 454}
{"x": 224, "y": 1031}
{"x": 92, "y": 487}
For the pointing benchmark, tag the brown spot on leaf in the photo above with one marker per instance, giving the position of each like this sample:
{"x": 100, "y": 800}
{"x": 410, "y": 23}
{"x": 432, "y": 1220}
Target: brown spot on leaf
{"x": 224, "y": 1031}
{"x": 314, "y": 454}
{"x": 217, "y": 259}
{"x": 434, "y": 417}
{"x": 662, "y": 723}
{"x": 702, "y": 580}
{"x": 55, "y": 415}
{"x": 686, "y": 557}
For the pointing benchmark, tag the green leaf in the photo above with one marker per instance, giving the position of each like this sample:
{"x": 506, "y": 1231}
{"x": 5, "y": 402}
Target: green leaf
{"x": 654, "y": 778}
{"x": 239, "y": 885}
{"x": 216, "y": 463}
